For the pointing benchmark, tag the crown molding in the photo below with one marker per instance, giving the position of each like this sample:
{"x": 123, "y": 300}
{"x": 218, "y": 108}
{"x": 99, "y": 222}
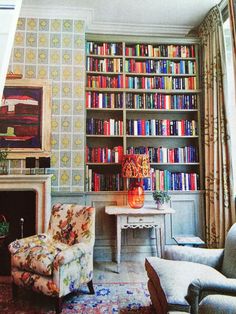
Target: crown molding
{"x": 98, "y": 27}
{"x": 138, "y": 29}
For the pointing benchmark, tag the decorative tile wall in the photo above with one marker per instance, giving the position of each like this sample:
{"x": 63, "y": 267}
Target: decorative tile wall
{"x": 54, "y": 49}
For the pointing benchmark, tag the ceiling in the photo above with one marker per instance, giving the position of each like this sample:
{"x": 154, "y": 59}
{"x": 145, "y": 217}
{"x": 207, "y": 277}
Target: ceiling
{"x": 129, "y": 16}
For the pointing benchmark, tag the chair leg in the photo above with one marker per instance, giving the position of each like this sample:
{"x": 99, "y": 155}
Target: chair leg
{"x": 58, "y": 304}
{"x": 14, "y": 290}
{"x": 90, "y": 286}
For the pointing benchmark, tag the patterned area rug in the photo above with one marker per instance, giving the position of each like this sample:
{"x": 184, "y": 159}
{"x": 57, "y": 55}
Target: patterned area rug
{"x": 108, "y": 299}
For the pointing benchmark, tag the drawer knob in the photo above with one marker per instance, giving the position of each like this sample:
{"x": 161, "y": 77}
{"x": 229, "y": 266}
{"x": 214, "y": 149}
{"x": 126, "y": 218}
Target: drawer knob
{"x": 140, "y": 219}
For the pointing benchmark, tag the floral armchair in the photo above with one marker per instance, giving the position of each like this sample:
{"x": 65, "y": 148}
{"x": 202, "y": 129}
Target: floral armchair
{"x": 57, "y": 262}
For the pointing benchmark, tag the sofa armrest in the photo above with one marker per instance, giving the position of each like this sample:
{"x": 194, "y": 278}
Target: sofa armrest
{"x": 72, "y": 253}
{"x": 210, "y": 257}
{"x": 202, "y": 287}
{"x": 30, "y": 242}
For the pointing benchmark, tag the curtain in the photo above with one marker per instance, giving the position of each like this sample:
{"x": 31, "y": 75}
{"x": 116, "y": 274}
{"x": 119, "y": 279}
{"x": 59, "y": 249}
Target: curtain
{"x": 219, "y": 204}
{"x": 232, "y": 16}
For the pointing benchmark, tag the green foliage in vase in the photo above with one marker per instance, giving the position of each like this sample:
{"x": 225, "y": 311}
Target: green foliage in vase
{"x": 161, "y": 197}
{"x": 3, "y": 155}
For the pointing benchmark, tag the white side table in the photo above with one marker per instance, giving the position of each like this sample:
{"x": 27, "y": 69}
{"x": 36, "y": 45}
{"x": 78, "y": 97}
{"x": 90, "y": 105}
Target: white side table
{"x": 146, "y": 217}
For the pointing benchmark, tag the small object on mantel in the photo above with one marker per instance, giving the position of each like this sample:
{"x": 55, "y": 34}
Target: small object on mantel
{"x": 12, "y": 76}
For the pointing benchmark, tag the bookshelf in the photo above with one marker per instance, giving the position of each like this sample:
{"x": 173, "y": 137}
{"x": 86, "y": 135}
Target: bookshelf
{"x": 143, "y": 97}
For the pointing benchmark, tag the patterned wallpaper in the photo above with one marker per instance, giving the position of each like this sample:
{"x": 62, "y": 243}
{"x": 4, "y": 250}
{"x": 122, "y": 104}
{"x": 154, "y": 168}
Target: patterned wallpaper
{"x": 54, "y": 49}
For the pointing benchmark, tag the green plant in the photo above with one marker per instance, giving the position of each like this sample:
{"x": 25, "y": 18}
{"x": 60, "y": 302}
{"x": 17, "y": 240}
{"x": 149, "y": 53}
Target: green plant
{"x": 3, "y": 155}
{"x": 4, "y": 226}
{"x": 161, "y": 197}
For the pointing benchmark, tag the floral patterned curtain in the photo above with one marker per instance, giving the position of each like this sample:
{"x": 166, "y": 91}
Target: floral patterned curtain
{"x": 219, "y": 203}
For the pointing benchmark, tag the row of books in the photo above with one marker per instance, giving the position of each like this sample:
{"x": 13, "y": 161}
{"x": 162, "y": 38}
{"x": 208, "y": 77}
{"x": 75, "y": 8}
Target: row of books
{"x": 140, "y": 101}
{"x": 103, "y": 182}
{"x": 163, "y": 127}
{"x": 160, "y": 66}
{"x": 104, "y": 100}
{"x": 186, "y": 154}
{"x": 104, "y": 154}
{"x": 173, "y": 181}
{"x": 102, "y": 81}
{"x": 159, "y": 180}
{"x": 143, "y": 50}
{"x": 160, "y": 101}
{"x": 99, "y": 48}
{"x": 172, "y": 51}
{"x": 104, "y": 127}
{"x": 104, "y": 65}
{"x": 162, "y": 82}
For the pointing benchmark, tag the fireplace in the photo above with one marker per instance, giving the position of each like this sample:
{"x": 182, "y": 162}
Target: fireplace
{"x": 27, "y": 197}
{"x": 41, "y": 184}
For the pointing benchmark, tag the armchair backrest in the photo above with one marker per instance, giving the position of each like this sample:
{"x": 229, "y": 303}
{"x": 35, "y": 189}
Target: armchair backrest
{"x": 229, "y": 261}
{"x": 72, "y": 223}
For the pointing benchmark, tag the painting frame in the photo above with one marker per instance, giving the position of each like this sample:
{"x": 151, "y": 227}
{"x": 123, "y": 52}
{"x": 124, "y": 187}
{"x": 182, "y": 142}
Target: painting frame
{"x": 42, "y": 120}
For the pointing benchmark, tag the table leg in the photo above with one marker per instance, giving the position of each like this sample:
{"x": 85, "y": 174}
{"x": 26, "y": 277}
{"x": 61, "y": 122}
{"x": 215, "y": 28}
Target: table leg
{"x": 118, "y": 242}
{"x": 158, "y": 242}
{"x": 162, "y": 240}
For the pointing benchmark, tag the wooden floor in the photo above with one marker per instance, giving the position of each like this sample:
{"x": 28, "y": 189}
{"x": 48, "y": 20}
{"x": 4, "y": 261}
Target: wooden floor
{"x": 129, "y": 272}
{"x": 105, "y": 272}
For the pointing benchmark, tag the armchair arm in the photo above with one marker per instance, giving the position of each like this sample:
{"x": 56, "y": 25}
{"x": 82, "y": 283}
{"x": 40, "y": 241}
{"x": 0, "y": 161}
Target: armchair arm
{"x": 30, "y": 242}
{"x": 72, "y": 253}
{"x": 201, "y": 287}
{"x": 210, "y": 257}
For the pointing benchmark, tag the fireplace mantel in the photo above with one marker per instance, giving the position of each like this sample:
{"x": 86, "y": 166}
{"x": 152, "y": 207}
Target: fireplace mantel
{"x": 41, "y": 184}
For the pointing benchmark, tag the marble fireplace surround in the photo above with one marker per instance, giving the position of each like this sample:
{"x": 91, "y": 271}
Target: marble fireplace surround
{"x": 41, "y": 184}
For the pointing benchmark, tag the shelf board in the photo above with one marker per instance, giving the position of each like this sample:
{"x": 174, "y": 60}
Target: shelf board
{"x": 103, "y": 164}
{"x": 162, "y": 110}
{"x": 95, "y": 135}
{"x": 105, "y": 109}
{"x": 105, "y": 56}
{"x": 159, "y": 58}
{"x": 163, "y": 91}
{"x": 146, "y": 91}
{"x": 162, "y": 136}
{"x": 174, "y": 163}
{"x": 103, "y": 73}
{"x": 158, "y": 74}
{"x": 96, "y": 89}
{"x": 138, "y": 57}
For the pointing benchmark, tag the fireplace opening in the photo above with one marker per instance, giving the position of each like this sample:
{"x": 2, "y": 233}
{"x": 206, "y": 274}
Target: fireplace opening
{"x": 15, "y": 205}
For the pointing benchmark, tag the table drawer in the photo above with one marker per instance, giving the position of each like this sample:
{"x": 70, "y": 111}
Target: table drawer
{"x": 140, "y": 219}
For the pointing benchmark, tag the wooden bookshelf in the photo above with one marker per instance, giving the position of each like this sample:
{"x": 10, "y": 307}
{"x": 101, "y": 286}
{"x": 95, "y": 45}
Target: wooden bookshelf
{"x": 130, "y": 83}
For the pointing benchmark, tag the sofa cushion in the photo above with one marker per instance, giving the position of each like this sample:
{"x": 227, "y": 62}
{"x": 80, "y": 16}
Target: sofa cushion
{"x": 175, "y": 277}
{"x": 37, "y": 255}
{"x": 229, "y": 261}
{"x": 218, "y": 304}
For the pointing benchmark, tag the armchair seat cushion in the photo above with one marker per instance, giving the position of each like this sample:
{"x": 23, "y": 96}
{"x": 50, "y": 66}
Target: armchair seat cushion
{"x": 174, "y": 277}
{"x": 36, "y": 254}
{"x": 218, "y": 304}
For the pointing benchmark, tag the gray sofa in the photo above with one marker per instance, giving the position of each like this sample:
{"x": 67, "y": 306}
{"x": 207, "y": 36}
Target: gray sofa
{"x": 186, "y": 275}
